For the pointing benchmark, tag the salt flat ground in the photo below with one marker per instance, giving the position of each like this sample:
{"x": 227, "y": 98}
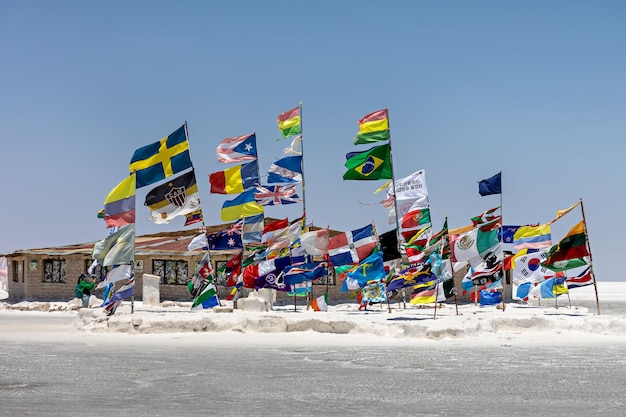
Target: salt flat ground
{"x": 526, "y": 360}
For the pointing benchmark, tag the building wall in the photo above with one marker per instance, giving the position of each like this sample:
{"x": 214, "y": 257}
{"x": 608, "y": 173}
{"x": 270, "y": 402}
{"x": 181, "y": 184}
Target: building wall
{"x": 30, "y": 285}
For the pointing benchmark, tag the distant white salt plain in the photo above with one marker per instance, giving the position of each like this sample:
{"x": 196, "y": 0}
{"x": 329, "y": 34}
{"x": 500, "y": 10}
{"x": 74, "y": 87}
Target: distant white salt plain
{"x": 547, "y": 321}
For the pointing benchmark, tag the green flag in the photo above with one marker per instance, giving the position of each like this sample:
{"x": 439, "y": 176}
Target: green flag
{"x": 559, "y": 266}
{"x": 373, "y": 164}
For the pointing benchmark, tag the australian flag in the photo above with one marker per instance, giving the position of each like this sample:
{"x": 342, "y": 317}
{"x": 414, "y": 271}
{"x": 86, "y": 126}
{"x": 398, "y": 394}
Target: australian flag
{"x": 227, "y": 239}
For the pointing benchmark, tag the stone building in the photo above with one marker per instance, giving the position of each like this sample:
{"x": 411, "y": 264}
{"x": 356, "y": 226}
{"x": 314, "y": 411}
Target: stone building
{"x": 50, "y": 274}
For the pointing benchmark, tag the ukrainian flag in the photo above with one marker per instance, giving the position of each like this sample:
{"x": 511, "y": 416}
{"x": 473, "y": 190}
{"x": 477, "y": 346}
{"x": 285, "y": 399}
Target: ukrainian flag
{"x": 244, "y": 205}
{"x": 161, "y": 159}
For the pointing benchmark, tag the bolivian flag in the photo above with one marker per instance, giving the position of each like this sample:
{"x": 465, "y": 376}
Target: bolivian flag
{"x": 289, "y": 122}
{"x": 373, "y": 127}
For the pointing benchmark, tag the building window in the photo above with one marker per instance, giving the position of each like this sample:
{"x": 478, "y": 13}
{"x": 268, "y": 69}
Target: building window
{"x": 16, "y": 271}
{"x": 98, "y": 271}
{"x": 330, "y": 278}
{"x": 221, "y": 276}
{"x": 54, "y": 270}
{"x": 171, "y": 272}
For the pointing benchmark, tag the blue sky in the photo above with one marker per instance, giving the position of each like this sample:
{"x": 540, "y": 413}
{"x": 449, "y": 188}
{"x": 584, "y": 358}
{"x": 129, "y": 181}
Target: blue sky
{"x": 534, "y": 89}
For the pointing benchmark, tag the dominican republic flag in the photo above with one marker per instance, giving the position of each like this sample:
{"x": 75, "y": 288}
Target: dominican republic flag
{"x": 352, "y": 247}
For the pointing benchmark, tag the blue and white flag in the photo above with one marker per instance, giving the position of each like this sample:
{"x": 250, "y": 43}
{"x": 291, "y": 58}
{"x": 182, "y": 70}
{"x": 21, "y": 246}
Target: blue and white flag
{"x": 253, "y": 228}
{"x": 125, "y": 291}
{"x": 370, "y": 269}
{"x": 287, "y": 169}
{"x": 295, "y": 274}
{"x": 198, "y": 242}
{"x": 117, "y": 273}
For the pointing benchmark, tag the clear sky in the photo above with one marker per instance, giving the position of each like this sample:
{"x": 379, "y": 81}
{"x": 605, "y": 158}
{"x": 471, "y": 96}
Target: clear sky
{"x": 534, "y": 89}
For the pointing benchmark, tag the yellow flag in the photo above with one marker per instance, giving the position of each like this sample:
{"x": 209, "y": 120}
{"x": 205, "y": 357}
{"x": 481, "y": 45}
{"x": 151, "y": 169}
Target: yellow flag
{"x": 561, "y": 213}
{"x": 382, "y": 187}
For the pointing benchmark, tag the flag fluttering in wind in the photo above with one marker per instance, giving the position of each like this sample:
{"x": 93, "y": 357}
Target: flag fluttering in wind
{"x": 572, "y": 247}
{"x": 237, "y": 149}
{"x": 119, "y": 205}
{"x": 244, "y": 205}
{"x": 375, "y": 292}
{"x": 176, "y": 197}
{"x": 199, "y": 242}
{"x": 352, "y": 247}
{"x": 412, "y": 276}
{"x": 316, "y": 242}
{"x": 561, "y": 213}
{"x": 125, "y": 291}
{"x": 532, "y": 237}
{"x": 193, "y": 217}
{"x": 372, "y": 164}
{"x": 117, "y": 273}
{"x": 371, "y": 268}
{"x": 253, "y": 228}
{"x": 473, "y": 245}
{"x": 295, "y": 274}
{"x": 320, "y": 303}
{"x": 286, "y": 169}
{"x": 117, "y": 248}
{"x": 491, "y": 185}
{"x": 489, "y": 219}
{"x": 389, "y": 245}
{"x": 273, "y": 195}
{"x": 295, "y": 149}
{"x": 373, "y": 127}
{"x": 581, "y": 280}
{"x": 227, "y": 239}
{"x": 289, "y": 122}
{"x": 232, "y": 269}
{"x": 207, "y": 297}
{"x": 161, "y": 159}
{"x": 234, "y": 180}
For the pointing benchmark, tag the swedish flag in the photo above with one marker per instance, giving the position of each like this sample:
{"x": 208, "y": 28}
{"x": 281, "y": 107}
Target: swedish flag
{"x": 161, "y": 159}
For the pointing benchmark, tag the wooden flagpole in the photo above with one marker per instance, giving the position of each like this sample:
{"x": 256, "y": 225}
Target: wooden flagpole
{"x": 595, "y": 285}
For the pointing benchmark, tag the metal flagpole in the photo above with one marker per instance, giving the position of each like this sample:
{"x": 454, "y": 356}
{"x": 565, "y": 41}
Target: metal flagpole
{"x": 438, "y": 272}
{"x": 500, "y": 241}
{"x": 208, "y": 253}
{"x": 593, "y": 275}
{"x": 393, "y": 182}
{"x": 302, "y": 168}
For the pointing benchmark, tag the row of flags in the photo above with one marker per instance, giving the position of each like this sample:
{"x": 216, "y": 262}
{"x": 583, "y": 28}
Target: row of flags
{"x": 357, "y": 255}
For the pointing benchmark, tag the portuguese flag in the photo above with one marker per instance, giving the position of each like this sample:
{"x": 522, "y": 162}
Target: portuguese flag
{"x": 373, "y": 127}
{"x": 572, "y": 246}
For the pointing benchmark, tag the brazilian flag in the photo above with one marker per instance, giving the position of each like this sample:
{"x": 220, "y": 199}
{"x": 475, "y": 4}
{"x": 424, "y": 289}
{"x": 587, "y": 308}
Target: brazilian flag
{"x": 373, "y": 164}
